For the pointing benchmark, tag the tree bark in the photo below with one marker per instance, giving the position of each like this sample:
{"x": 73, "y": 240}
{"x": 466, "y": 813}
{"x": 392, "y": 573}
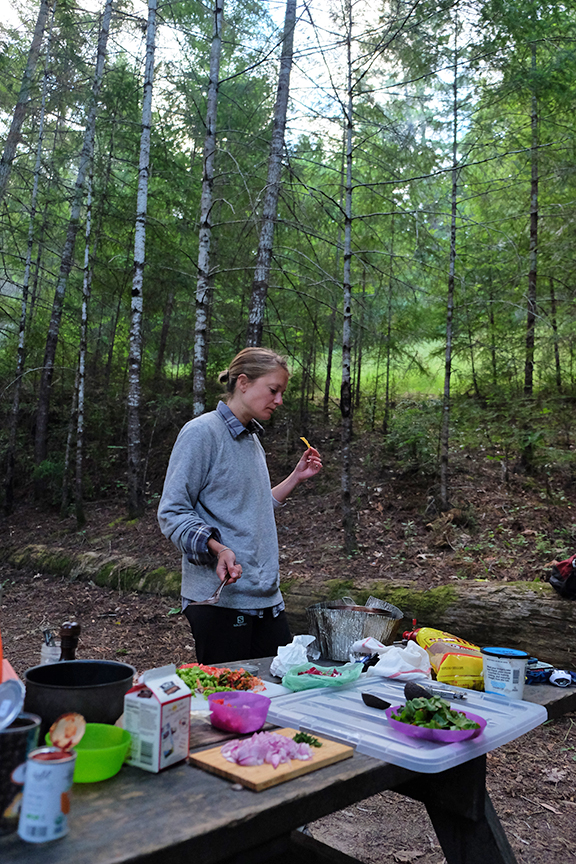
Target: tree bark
{"x": 445, "y": 431}
{"x": 86, "y": 294}
{"x": 203, "y": 285}
{"x": 346, "y": 390}
{"x": 164, "y": 332}
{"x": 555, "y": 332}
{"x": 270, "y": 207}
{"x": 386, "y": 421}
{"x": 23, "y": 97}
{"x": 359, "y": 343}
{"x": 41, "y": 440}
{"x": 135, "y": 491}
{"x": 533, "y": 254}
{"x": 332, "y": 334}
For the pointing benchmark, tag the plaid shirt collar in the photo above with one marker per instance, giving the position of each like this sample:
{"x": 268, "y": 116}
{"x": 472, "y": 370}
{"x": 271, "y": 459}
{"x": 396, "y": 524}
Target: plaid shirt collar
{"x": 235, "y": 427}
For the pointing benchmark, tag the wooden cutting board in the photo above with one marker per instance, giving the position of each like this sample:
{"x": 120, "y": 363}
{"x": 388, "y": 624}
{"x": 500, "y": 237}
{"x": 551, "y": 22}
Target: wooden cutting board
{"x": 258, "y": 777}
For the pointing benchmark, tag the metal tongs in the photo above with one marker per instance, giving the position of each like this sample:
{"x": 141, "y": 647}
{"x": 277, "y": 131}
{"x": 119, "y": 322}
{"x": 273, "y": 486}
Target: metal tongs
{"x": 214, "y": 598}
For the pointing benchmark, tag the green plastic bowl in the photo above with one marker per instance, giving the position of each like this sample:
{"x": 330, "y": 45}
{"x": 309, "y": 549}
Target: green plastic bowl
{"x": 101, "y": 752}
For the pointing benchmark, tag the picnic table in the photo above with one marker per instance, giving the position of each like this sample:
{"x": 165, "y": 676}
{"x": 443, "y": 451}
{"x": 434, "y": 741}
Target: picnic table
{"x": 184, "y": 814}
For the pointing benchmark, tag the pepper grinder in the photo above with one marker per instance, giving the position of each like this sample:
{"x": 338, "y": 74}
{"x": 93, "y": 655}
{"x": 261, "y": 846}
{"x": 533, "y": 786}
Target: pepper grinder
{"x": 69, "y": 633}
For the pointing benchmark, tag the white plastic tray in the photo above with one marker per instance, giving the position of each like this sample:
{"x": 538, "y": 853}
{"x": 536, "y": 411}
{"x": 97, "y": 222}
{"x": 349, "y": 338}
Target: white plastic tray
{"x": 341, "y": 714}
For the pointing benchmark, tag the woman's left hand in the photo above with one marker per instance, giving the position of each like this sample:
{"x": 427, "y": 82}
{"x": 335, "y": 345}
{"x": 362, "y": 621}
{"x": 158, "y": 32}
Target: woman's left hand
{"x": 309, "y": 465}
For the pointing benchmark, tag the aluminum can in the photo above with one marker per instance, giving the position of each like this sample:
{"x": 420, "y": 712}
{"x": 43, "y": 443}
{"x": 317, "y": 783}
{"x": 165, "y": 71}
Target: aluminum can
{"x": 45, "y": 800}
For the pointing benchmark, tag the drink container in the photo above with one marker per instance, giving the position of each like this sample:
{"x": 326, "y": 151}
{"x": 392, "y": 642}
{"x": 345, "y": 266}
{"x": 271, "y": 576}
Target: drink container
{"x": 45, "y": 801}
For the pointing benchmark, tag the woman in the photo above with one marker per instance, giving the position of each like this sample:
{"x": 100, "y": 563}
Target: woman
{"x": 218, "y": 510}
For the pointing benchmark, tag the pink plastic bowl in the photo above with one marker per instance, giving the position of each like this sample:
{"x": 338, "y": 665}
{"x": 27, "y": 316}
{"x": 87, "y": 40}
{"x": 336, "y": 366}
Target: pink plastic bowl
{"x": 237, "y": 711}
{"x": 445, "y": 736}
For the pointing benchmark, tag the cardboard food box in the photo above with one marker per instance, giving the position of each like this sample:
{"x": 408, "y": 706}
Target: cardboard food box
{"x": 157, "y": 715}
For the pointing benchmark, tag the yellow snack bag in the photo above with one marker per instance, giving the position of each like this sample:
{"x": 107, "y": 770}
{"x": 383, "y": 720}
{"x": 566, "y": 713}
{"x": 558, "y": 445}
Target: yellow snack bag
{"x": 455, "y": 661}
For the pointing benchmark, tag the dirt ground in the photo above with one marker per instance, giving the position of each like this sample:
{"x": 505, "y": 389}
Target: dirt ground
{"x": 496, "y": 531}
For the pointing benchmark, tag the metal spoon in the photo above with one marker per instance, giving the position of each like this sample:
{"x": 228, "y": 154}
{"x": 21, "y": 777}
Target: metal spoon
{"x": 214, "y": 598}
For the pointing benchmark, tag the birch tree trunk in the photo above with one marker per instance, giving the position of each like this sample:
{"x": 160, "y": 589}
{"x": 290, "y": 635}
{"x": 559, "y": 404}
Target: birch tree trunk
{"x": 360, "y": 342}
{"x": 135, "y": 491}
{"x": 203, "y": 285}
{"x": 21, "y": 351}
{"x": 533, "y": 253}
{"x": 445, "y": 431}
{"x": 86, "y": 293}
{"x": 23, "y": 97}
{"x": 270, "y": 207}
{"x": 332, "y": 334}
{"x": 41, "y": 441}
{"x": 346, "y": 390}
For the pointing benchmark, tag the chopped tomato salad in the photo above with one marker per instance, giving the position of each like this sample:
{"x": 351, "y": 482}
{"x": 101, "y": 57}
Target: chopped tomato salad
{"x": 216, "y": 679}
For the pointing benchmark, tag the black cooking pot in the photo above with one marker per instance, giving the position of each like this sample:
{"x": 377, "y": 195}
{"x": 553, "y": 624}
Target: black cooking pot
{"x": 93, "y": 688}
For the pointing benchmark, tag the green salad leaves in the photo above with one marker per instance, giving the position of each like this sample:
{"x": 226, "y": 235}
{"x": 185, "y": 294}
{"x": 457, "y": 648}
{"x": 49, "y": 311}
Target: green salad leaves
{"x": 433, "y": 713}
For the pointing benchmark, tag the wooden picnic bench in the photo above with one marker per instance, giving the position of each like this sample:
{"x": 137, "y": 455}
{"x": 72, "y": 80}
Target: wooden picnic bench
{"x": 185, "y": 815}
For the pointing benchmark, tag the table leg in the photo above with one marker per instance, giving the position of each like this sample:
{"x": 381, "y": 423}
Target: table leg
{"x": 462, "y": 814}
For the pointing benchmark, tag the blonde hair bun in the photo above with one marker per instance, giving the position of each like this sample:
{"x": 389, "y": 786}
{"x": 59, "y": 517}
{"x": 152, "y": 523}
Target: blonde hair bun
{"x": 253, "y": 363}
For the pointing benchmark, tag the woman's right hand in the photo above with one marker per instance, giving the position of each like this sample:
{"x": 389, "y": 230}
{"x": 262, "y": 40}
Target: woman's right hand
{"x": 227, "y": 568}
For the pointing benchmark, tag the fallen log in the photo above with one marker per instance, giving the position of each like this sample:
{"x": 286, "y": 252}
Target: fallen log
{"x": 526, "y": 615}
{"x": 530, "y": 616}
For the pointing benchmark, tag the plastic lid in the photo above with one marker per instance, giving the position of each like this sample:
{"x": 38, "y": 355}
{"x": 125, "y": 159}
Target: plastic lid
{"x": 505, "y": 652}
{"x": 11, "y": 701}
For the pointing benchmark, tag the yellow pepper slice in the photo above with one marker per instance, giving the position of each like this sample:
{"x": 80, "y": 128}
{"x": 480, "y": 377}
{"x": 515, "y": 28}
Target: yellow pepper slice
{"x": 306, "y": 442}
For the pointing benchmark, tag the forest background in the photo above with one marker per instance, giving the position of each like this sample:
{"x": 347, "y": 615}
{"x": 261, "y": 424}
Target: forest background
{"x": 385, "y": 193}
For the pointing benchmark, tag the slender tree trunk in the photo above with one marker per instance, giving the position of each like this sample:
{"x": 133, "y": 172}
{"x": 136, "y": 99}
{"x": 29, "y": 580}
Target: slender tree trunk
{"x": 386, "y": 421}
{"x": 72, "y": 423}
{"x": 533, "y": 254}
{"x": 331, "y": 337}
{"x": 360, "y": 342}
{"x": 445, "y": 431}
{"x": 203, "y": 285}
{"x": 164, "y": 333}
{"x": 23, "y": 97}
{"x": 492, "y": 335}
{"x": 332, "y": 334}
{"x": 345, "y": 390}
{"x": 135, "y": 491}
{"x": 555, "y": 332}
{"x": 41, "y": 441}
{"x": 21, "y": 355}
{"x": 86, "y": 295}
{"x": 270, "y": 207}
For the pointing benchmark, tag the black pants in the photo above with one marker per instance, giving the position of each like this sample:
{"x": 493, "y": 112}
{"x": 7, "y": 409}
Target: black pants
{"x": 222, "y": 635}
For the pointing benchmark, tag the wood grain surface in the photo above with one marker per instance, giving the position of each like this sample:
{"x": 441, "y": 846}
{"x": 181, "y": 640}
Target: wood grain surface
{"x": 258, "y": 777}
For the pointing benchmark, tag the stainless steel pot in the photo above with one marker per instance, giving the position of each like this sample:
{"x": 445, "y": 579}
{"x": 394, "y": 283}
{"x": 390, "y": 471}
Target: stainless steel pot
{"x": 337, "y": 624}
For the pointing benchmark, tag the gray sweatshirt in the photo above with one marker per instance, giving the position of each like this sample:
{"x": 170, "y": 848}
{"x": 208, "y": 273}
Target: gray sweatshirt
{"x": 219, "y": 485}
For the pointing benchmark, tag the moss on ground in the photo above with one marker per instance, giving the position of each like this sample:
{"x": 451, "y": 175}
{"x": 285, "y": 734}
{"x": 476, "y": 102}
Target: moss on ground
{"x": 121, "y": 574}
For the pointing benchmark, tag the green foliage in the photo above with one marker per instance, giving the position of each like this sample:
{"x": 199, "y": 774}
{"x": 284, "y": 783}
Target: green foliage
{"x": 413, "y": 435}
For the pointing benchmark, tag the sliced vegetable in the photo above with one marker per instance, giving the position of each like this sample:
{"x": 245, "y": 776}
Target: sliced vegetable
{"x": 433, "y": 713}
{"x": 306, "y": 442}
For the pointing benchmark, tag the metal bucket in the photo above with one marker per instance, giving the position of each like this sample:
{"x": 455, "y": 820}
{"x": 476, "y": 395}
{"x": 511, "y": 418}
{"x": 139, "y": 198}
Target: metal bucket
{"x": 337, "y": 624}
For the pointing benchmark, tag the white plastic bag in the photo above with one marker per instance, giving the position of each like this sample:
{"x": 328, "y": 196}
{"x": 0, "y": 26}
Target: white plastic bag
{"x": 293, "y": 654}
{"x": 402, "y": 664}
